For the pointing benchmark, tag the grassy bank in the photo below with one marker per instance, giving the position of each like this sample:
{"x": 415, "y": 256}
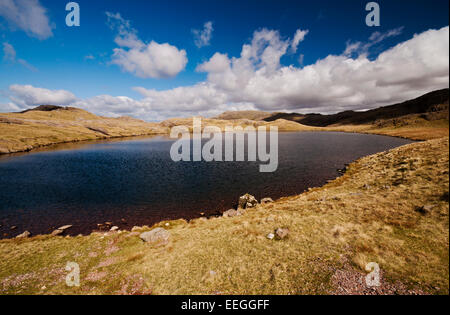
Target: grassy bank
{"x": 34, "y": 129}
{"x": 371, "y": 214}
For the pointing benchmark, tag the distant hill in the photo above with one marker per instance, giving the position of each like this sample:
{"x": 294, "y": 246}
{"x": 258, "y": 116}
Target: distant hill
{"x": 433, "y": 102}
{"x": 245, "y": 114}
{"x": 46, "y": 108}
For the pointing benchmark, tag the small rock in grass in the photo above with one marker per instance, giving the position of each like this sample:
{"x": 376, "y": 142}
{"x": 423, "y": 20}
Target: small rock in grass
{"x": 158, "y": 236}
{"x": 57, "y": 232}
{"x": 231, "y": 213}
{"x": 425, "y": 209}
{"x": 282, "y": 233}
{"x": 114, "y": 228}
{"x": 266, "y": 201}
{"x": 270, "y": 236}
{"x": 65, "y": 227}
{"x": 24, "y": 235}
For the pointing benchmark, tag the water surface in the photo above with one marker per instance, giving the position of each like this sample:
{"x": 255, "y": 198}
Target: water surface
{"x": 135, "y": 182}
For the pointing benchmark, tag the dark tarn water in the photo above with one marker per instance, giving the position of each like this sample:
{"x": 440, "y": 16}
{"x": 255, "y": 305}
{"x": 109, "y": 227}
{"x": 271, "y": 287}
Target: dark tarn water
{"x": 135, "y": 182}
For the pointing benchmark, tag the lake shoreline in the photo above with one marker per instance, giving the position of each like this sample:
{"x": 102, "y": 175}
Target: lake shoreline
{"x": 292, "y": 178}
{"x": 50, "y": 146}
{"x": 327, "y": 216}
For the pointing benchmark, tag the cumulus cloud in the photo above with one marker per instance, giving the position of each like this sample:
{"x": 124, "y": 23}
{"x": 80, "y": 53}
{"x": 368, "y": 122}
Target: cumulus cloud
{"x": 203, "y": 37}
{"x": 10, "y": 55}
{"x": 25, "y": 96}
{"x": 27, "y": 15}
{"x": 257, "y": 80}
{"x": 336, "y": 82}
{"x": 152, "y": 60}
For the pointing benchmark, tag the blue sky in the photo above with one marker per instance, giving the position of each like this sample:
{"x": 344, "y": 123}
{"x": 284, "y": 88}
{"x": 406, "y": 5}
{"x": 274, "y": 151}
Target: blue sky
{"x": 80, "y": 60}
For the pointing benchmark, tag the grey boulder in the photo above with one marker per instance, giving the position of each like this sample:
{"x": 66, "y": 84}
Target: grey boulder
{"x": 158, "y": 236}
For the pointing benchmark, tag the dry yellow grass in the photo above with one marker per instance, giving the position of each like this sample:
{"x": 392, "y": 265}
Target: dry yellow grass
{"x": 34, "y": 129}
{"x": 282, "y": 124}
{"x": 367, "y": 215}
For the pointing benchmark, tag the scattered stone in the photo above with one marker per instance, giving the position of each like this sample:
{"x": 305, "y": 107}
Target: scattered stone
{"x": 158, "y": 236}
{"x": 108, "y": 223}
{"x": 366, "y": 186}
{"x": 247, "y": 201}
{"x": 114, "y": 228}
{"x": 167, "y": 224}
{"x": 135, "y": 229}
{"x": 13, "y": 227}
{"x": 231, "y": 213}
{"x": 270, "y": 236}
{"x": 65, "y": 227}
{"x": 24, "y": 235}
{"x": 61, "y": 230}
{"x": 202, "y": 213}
{"x": 425, "y": 209}
{"x": 57, "y": 232}
{"x": 265, "y": 201}
{"x": 282, "y": 233}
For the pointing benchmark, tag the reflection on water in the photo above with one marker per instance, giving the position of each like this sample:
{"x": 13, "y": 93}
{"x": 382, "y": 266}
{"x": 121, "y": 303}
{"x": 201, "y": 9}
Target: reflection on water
{"x": 134, "y": 182}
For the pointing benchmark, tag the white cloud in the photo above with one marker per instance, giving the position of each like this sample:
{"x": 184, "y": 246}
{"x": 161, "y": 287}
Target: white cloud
{"x": 298, "y": 38}
{"x": 257, "y": 80}
{"x": 203, "y": 37}
{"x": 416, "y": 66}
{"x": 28, "y": 15}
{"x": 9, "y": 55}
{"x": 25, "y": 96}
{"x": 152, "y": 60}
{"x": 360, "y": 48}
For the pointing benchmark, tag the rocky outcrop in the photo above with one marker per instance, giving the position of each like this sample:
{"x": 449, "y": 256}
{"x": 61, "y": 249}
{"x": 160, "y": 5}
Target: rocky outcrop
{"x": 247, "y": 201}
{"x": 158, "y": 237}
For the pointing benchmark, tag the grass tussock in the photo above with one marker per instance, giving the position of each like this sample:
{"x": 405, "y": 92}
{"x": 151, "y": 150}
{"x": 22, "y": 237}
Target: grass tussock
{"x": 368, "y": 215}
